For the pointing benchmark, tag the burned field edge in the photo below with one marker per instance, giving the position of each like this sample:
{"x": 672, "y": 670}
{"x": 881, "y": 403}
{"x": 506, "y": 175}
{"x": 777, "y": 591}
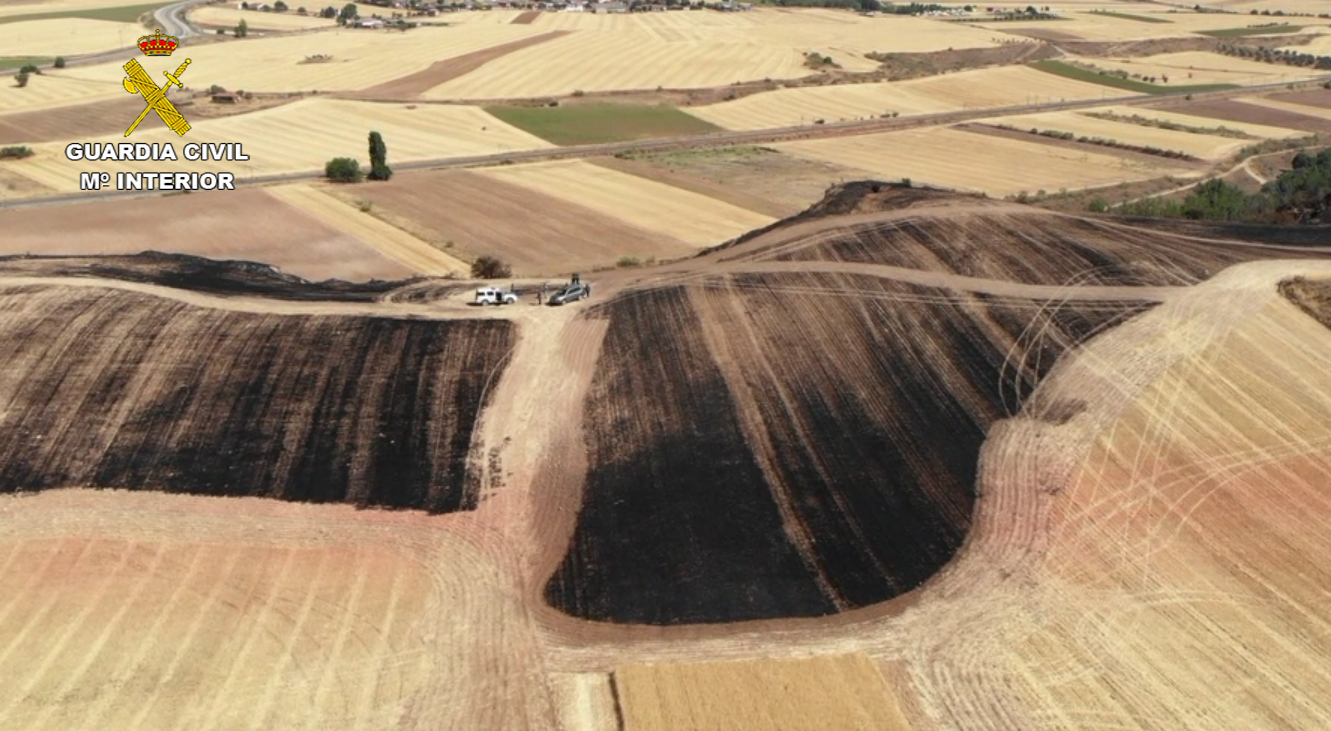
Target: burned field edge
{"x": 1040, "y": 248}
{"x": 198, "y": 274}
{"x": 677, "y": 526}
{"x": 111, "y": 389}
{"x": 1313, "y": 296}
{"x": 874, "y": 399}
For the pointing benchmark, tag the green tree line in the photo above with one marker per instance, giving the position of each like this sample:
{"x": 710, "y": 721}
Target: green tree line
{"x": 1301, "y": 194}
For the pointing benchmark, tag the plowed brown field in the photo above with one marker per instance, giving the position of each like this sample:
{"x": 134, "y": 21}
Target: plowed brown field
{"x": 242, "y": 224}
{"x": 535, "y": 233}
{"x": 108, "y": 388}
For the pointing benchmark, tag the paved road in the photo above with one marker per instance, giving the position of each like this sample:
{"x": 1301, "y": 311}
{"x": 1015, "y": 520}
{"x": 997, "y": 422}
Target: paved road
{"x": 715, "y": 139}
{"x": 171, "y": 19}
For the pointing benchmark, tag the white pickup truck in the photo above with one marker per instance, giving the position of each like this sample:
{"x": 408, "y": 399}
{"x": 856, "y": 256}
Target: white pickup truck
{"x": 495, "y": 296}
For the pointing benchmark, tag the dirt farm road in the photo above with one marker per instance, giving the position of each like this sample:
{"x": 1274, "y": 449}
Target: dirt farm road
{"x": 716, "y": 139}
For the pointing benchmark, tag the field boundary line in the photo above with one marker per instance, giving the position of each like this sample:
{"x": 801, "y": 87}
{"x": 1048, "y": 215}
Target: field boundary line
{"x": 715, "y": 139}
{"x": 387, "y": 239}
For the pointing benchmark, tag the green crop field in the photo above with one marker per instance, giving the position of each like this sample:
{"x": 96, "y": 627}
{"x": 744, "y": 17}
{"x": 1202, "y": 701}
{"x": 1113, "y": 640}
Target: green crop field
{"x": 1257, "y": 31}
{"x": 15, "y": 62}
{"x": 123, "y": 14}
{"x": 584, "y": 124}
{"x": 1127, "y": 16}
{"x": 1069, "y": 71}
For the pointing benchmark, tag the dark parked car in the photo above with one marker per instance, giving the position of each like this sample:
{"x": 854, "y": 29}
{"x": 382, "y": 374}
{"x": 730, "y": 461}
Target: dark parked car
{"x": 571, "y": 293}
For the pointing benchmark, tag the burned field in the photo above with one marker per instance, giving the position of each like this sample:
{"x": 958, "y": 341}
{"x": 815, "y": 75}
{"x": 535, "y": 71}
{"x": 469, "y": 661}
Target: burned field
{"x": 195, "y": 273}
{"x": 774, "y": 445}
{"x": 1037, "y": 247}
{"x": 114, "y": 389}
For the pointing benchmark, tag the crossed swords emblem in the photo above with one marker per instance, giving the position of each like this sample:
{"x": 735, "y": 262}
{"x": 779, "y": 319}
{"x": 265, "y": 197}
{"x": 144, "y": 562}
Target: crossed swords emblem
{"x": 138, "y": 82}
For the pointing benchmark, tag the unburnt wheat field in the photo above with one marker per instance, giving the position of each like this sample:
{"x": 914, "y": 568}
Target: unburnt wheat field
{"x": 110, "y": 388}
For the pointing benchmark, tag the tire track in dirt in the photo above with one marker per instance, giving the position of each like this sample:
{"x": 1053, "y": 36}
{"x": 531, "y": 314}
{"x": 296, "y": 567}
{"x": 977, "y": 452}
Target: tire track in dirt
{"x": 73, "y": 627}
{"x": 93, "y": 651}
{"x": 264, "y": 708}
{"x": 185, "y": 646}
{"x": 211, "y": 716}
{"x": 93, "y": 719}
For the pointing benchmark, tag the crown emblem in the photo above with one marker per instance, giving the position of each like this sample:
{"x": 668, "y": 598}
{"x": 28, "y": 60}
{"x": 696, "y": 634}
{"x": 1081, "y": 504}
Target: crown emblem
{"x": 158, "y": 44}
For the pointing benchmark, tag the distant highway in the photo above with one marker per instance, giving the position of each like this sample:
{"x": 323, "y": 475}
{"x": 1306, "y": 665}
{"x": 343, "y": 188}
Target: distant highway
{"x": 714, "y": 139}
{"x": 171, "y": 19}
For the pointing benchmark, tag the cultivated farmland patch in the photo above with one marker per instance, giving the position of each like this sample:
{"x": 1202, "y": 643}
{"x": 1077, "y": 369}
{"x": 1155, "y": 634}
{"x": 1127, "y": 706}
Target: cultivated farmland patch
{"x": 1206, "y": 147}
{"x": 263, "y": 410}
{"x": 534, "y": 232}
{"x": 304, "y": 135}
{"x": 696, "y": 50}
{"x": 1200, "y": 67}
{"x": 978, "y": 89}
{"x": 249, "y": 225}
{"x": 969, "y": 161}
{"x": 1320, "y": 111}
{"x": 251, "y": 613}
{"x": 1037, "y": 248}
{"x": 53, "y": 89}
{"x": 229, "y": 17}
{"x": 66, "y": 36}
{"x": 689, "y": 217}
{"x": 842, "y": 692}
{"x": 361, "y": 58}
{"x": 1252, "y": 111}
{"x": 793, "y": 493}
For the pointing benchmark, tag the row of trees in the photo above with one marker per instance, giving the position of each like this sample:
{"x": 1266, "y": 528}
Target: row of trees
{"x": 348, "y": 169}
{"x": 1275, "y": 55}
{"x": 1301, "y": 194}
{"x": 28, "y": 69}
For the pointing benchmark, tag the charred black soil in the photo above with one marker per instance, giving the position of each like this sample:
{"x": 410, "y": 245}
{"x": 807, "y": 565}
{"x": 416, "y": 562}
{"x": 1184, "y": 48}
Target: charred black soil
{"x": 183, "y": 271}
{"x": 1041, "y": 248}
{"x": 1313, "y": 296}
{"x": 868, "y": 402}
{"x": 112, "y": 389}
{"x": 678, "y": 525}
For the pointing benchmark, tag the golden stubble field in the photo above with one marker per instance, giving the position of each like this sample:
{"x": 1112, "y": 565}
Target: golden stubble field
{"x": 149, "y": 611}
{"x": 1204, "y": 146}
{"x": 302, "y": 136}
{"x": 1154, "y": 562}
{"x": 230, "y": 16}
{"x": 361, "y": 58}
{"x": 1004, "y": 86}
{"x": 1202, "y": 67}
{"x": 684, "y": 215}
{"x": 33, "y": 7}
{"x": 66, "y": 37}
{"x": 1084, "y": 23}
{"x": 697, "y": 49}
{"x": 964, "y": 160}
